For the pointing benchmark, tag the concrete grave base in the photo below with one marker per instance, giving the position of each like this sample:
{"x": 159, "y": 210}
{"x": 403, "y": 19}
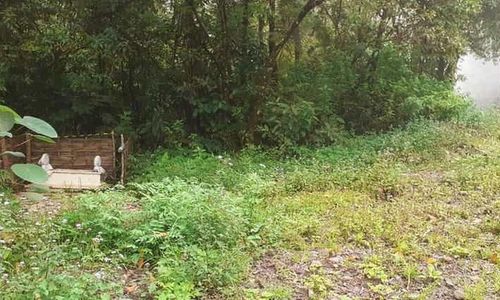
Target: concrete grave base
{"x": 73, "y": 179}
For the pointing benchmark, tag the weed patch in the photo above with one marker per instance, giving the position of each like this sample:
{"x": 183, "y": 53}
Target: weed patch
{"x": 410, "y": 213}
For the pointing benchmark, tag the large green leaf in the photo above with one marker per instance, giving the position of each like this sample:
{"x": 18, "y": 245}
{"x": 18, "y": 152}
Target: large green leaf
{"x": 6, "y": 121}
{"x": 38, "y": 188}
{"x": 33, "y": 196}
{"x": 31, "y": 173}
{"x": 44, "y": 139}
{"x": 5, "y": 134}
{"x": 4, "y": 108}
{"x": 38, "y": 126}
{"x": 12, "y": 153}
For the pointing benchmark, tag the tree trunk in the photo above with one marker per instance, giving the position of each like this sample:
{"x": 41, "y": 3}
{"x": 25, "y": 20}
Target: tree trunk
{"x": 273, "y": 59}
{"x": 225, "y": 55}
{"x": 270, "y": 71}
{"x": 192, "y": 64}
{"x": 297, "y": 41}
{"x": 261, "y": 33}
{"x": 245, "y": 24}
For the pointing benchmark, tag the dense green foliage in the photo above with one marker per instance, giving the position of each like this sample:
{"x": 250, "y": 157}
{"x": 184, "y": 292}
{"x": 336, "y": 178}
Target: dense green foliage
{"x": 224, "y": 74}
{"x": 486, "y": 33}
{"x": 190, "y": 223}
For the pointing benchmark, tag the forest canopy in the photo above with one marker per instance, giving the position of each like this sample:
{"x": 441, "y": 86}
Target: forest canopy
{"x": 236, "y": 72}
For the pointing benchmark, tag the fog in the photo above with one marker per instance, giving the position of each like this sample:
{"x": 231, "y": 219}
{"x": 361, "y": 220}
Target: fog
{"x": 481, "y": 80}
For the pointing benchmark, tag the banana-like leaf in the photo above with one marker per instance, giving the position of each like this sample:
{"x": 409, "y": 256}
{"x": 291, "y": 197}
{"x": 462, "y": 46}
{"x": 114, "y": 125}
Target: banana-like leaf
{"x": 7, "y": 121}
{"x": 4, "y": 108}
{"x": 32, "y": 196}
{"x": 5, "y": 134}
{"x": 12, "y": 153}
{"x": 31, "y": 173}
{"x": 38, "y": 125}
{"x": 44, "y": 139}
{"x": 38, "y": 188}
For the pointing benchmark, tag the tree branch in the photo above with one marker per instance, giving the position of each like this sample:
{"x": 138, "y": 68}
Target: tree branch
{"x": 310, "y": 5}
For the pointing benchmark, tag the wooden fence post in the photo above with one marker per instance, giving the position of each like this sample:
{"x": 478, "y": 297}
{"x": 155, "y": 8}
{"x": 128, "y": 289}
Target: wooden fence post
{"x": 2, "y": 149}
{"x": 122, "y": 175}
{"x": 28, "y": 148}
{"x": 114, "y": 154}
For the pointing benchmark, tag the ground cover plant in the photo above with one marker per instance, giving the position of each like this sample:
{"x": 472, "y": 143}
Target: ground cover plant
{"x": 412, "y": 214}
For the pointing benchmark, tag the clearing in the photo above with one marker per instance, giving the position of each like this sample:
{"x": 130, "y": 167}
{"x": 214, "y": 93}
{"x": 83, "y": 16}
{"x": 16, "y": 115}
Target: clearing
{"x": 411, "y": 214}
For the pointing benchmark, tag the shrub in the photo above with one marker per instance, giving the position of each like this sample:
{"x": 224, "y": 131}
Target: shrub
{"x": 190, "y": 214}
{"x": 194, "y": 233}
{"x": 439, "y": 105}
{"x": 197, "y": 231}
{"x": 318, "y": 102}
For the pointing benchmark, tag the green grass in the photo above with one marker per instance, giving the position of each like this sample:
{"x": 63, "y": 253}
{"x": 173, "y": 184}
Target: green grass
{"x": 402, "y": 212}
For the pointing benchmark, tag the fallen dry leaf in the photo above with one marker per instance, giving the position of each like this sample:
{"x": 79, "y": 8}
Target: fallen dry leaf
{"x": 131, "y": 289}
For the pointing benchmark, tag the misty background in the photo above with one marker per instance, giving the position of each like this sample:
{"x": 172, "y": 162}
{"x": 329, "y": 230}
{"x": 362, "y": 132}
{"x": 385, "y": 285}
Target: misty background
{"x": 481, "y": 80}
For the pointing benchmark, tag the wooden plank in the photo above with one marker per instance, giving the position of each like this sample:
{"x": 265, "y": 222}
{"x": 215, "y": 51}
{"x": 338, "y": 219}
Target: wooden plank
{"x": 114, "y": 153}
{"x": 3, "y": 147}
{"x": 122, "y": 175}
{"x": 28, "y": 147}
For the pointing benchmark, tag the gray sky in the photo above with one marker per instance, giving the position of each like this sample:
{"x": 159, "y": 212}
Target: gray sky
{"x": 482, "y": 80}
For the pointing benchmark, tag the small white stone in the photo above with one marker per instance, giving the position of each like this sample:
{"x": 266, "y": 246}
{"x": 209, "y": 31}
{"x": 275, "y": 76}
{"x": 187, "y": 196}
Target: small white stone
{"x": 99, "y": 274}
{"x": 449, "y": 282}
{"x": 459, "y": 294}
{"x": 336, "y": 259}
